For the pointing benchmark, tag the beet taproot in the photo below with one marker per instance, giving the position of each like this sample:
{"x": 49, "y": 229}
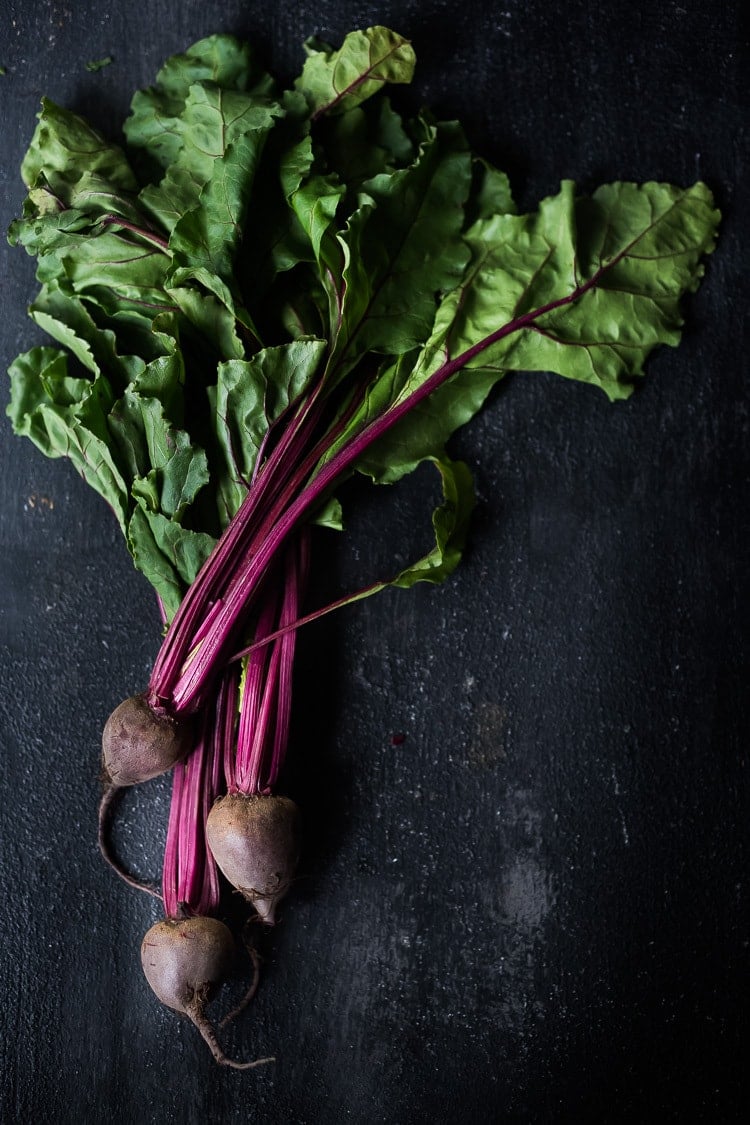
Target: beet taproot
{"x": 255, "y": 842}
{"x": 185, "y": 960}
{"x": 138, "y": 744}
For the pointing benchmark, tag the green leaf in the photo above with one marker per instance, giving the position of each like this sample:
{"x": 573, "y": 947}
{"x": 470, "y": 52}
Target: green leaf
{"x": 330, "y": 515}
{"x": 65, "y": 318}
{"x": 223, "y": 138}
{"x": 167, "y": 201}
{"x": 334, "y": 81}
{"x": 365, "y": 141}
{"x": 584, "y": 287}
{"x": 210, "y": 234}
{"x": 67, "y": 417}
{"x": 450, "y": 525}
{"x": 155, "y": 126}
{"x": 169, "y": 555}
{"x": 209, "y": 305}
{"x": 491, "y": 194}
{"x": 402, "y": 247}
{"x": 65, "y": 147}
{"x": 428, "y": 425}
{"x": 133, "y": 271}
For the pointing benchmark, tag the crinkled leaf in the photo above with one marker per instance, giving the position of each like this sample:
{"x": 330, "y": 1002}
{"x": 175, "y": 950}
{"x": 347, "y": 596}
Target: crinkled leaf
{"x": 167, "y": 201}
{"x": 168, "y": 554}
{"x": 334, "y": 81}
{"x": 210, "y": 234}
{"x": 54, "y": 311}
{"x": 215, "y": 119}
{"x": 154, "y": 124}
{"x": 67, "y": 417}
{"x": 65, "y": 147}
{"x": 216, "y": 137}
{"x": 450, "y": 525}
{"x": 172, "y": 488}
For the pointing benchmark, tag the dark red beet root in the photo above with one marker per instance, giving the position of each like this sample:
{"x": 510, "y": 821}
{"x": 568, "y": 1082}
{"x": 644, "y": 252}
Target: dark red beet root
{"x": 138, "y": 744}
{"x": 184, "y": 961}
{"x": 255, "y": 841}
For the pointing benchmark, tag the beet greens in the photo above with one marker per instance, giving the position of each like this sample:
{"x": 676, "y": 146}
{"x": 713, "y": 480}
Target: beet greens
{"x": 265, "y": 292}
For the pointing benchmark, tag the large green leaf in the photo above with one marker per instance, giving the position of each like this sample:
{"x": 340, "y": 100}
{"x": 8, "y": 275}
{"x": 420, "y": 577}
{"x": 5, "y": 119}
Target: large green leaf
{"x": 402, "y": 247}
{"x": 584, "y": 287}
{"x": 155, "y": 124}
{"x": 334, "y": 81}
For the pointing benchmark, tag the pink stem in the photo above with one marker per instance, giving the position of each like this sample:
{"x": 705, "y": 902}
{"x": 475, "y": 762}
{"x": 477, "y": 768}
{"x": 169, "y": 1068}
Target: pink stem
{"x": 220, "y": 567}
{"x": 190, "y": 879}
{"x": 251, "y": 703}
{"x": 298, "y": 566}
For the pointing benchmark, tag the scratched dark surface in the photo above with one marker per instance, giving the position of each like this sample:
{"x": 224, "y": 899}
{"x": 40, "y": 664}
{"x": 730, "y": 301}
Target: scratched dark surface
{"x": 534, "y": 907}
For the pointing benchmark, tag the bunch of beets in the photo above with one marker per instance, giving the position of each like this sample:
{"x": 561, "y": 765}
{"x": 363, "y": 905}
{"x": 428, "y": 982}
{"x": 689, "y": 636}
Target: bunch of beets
{"x": 261, "y": 293}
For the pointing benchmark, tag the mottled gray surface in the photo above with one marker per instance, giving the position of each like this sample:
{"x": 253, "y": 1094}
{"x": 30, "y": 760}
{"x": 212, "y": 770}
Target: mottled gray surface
{"x": 535, "y": 907}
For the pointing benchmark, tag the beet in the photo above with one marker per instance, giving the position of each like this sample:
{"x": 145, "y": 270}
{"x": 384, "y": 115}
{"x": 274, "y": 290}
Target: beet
{"x": 138, "y": 744}
{"x": 184, "y": 960}
{"x": 255, "y": 842}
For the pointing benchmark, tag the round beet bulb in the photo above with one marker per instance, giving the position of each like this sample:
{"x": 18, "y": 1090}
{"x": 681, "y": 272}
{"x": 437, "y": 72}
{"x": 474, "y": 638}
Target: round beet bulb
{"x": 138, "y": 744}
{"x": 184, "y": 960}
{"x": 255, "y": 842}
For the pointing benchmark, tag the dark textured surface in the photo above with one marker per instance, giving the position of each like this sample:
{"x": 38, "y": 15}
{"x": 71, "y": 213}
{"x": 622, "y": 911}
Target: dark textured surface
{"x": 535, "y": 906}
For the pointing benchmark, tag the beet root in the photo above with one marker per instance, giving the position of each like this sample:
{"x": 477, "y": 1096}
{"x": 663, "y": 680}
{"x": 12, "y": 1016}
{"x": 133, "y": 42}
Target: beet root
{"x": 255, "y": 842}
{"x": 184, "y": 961}
{"x": 138, "y": 744}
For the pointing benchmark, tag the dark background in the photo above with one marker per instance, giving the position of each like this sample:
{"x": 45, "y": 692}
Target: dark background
{"x": 535, "y": 906}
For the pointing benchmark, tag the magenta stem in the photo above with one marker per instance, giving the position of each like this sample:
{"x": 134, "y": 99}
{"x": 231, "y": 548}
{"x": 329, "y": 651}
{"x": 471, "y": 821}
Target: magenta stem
{"x": 149, "y": 236}
{"x": 297, "y": 571}
{"x": 251, "y": 704}
{"x": 228, "y": 705}
{"x": 190, "y": 880}
{"x": 315, "y": 615}
{"x": 265, "y": 706}
{"x": 219, "y": 568}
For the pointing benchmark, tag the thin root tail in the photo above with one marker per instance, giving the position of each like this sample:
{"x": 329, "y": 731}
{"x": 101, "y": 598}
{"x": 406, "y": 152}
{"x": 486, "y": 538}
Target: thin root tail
{"x": 195, "y": 1011}
{"x": 111, "y": 794}
{"x": 250, "y": 994}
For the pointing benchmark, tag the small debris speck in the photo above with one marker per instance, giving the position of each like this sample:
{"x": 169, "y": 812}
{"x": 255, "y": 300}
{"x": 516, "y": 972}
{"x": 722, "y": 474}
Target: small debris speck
{"x": 98, "y": 64}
